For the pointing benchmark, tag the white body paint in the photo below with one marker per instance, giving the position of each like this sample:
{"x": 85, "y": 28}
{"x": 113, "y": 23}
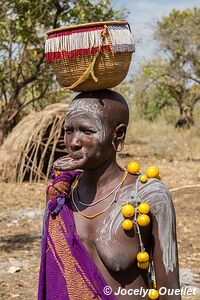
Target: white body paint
{"x": 156, "y": 194}
{"x": 81, "y": 106}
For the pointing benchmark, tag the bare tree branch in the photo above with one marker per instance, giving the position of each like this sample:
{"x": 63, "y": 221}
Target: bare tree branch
{"x": 34, "y": 99}
{"x": 40, "y": 96}
{"x": 194, "y": 79}
{"x": 196, "y": 99}
{"x": 30, "y": 79}
{"x": 19, "y": 68}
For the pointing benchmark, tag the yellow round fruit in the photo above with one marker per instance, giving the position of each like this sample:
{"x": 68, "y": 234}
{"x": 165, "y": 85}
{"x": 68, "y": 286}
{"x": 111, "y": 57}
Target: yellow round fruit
{"x": 133, "y": 167}
{"x": 142, "y": 257}
{"x": 128, "y": 210}
{"x": 143, "y": 220}
{"x": 143, "y": 265}
{"x": 143, "y": 178}
{"x": 153, "y": 294}
{"x": 144, "y": 208}
{"x": 127, "y": 224}
{"x": 152, "y": 172}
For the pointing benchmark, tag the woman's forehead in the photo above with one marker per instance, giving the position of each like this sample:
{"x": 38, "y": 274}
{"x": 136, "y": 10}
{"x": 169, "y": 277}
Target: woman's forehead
{"x": 81, "y": 116}
{"x": 89, "y": 106}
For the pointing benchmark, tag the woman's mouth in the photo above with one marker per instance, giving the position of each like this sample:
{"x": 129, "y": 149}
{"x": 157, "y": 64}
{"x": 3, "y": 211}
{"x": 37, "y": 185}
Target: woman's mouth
{"x": 76, "y": 156}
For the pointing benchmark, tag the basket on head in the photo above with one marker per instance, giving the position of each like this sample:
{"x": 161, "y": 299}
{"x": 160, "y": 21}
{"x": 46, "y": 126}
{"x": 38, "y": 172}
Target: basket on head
{"x": 90, "y": 56}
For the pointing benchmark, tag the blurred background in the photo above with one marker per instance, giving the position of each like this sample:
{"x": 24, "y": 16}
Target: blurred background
{"x": 163, "y": 92}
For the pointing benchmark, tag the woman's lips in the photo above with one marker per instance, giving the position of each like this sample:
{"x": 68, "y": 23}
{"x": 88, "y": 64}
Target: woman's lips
{"x": 76, "y": 156}
{"x": 68, "y": 162}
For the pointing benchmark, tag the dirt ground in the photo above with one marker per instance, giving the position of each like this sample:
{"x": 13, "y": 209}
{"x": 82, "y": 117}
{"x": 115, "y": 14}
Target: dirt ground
{"x": 21, "y": 222}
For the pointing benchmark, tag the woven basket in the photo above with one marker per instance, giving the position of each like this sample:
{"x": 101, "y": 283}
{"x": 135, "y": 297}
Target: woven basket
{"x": 90, "y": 56}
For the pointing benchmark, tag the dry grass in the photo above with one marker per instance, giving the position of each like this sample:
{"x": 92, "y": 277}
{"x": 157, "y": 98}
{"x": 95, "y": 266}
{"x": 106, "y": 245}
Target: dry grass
{"x": 161, "y": 138}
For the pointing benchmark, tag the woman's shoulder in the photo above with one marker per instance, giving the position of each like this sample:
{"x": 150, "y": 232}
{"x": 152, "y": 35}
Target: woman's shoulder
{"x": 153, "y": 191}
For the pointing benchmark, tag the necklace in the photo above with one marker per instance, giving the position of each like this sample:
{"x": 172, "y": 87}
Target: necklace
{"x": 138, "y": 215}
{"x": 105, "y": 197}
{"x": 101, "y": 212}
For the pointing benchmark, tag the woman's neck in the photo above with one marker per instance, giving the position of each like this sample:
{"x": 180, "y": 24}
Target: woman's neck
{"x": 103, "y": 175}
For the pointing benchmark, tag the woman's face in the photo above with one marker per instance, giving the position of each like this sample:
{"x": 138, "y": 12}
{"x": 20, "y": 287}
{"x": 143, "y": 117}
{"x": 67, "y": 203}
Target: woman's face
{"x": 86, "y": 139}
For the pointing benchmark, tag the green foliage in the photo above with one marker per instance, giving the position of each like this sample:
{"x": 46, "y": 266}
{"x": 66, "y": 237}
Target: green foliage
{"x": 94, "y": 11}
{"x": 179, "y": 36}
{"x": 159, "y": 98}
{"x": 25, "y": 80}
{"x": 150, "y": 92}
{"x": 174, "y": 77}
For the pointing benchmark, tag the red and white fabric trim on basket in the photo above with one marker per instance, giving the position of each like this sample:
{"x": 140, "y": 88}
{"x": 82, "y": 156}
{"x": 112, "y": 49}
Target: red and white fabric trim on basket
{"x": 69, "y": 44}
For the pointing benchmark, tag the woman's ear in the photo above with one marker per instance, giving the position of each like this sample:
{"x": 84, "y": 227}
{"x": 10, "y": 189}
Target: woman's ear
{"x": 118, "y": 137}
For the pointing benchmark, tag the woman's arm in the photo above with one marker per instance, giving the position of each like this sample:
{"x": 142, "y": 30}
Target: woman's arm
{"x": 164, "y": 252}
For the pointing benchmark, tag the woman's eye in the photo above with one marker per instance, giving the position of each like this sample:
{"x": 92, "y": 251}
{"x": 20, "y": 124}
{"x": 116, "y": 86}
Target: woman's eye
{"x": 87, "y": 131}
{"x": 68, "y": 130}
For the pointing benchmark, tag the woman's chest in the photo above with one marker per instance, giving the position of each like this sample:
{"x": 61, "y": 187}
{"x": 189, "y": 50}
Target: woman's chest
{"x": 104, "y": 237}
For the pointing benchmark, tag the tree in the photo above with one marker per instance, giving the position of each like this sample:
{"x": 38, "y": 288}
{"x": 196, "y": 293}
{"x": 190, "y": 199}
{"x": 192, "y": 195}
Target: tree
{"x": 172, "y": 78}
{"x": 25, "y": 80}
{"x": 179, "y": 37}
{"x": 150, "y": 92}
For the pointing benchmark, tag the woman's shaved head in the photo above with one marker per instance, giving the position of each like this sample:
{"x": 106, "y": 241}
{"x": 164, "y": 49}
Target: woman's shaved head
{"x": 108, "y": 106}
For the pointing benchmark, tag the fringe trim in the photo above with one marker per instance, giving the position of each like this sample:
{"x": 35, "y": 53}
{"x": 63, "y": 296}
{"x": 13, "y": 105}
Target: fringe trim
{"x": 88, "y": 41}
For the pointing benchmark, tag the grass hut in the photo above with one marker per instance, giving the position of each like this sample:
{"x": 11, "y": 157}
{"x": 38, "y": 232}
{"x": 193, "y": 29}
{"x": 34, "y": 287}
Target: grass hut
{"x": 33, "y": 145}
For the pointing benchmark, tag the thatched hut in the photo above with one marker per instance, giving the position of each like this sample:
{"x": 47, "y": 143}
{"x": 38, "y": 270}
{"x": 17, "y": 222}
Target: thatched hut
{"x": 33, "y": 145}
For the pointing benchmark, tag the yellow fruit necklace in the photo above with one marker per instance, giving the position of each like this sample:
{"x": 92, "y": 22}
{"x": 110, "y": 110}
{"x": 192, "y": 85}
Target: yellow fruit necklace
{"x": 138, "y": 216}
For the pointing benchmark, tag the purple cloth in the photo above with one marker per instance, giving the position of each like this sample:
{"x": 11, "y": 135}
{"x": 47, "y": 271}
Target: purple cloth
{"x": 53, "y": 284}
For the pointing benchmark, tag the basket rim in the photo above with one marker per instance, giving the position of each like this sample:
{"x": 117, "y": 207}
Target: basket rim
{"x": 92, "y": 24}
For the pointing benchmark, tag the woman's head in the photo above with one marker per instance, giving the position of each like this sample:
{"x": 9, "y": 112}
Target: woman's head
{"x": 95, "y": 126}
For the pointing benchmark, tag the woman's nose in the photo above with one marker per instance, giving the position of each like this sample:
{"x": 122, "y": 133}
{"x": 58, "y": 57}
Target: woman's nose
{"x": 75, "y": 143}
